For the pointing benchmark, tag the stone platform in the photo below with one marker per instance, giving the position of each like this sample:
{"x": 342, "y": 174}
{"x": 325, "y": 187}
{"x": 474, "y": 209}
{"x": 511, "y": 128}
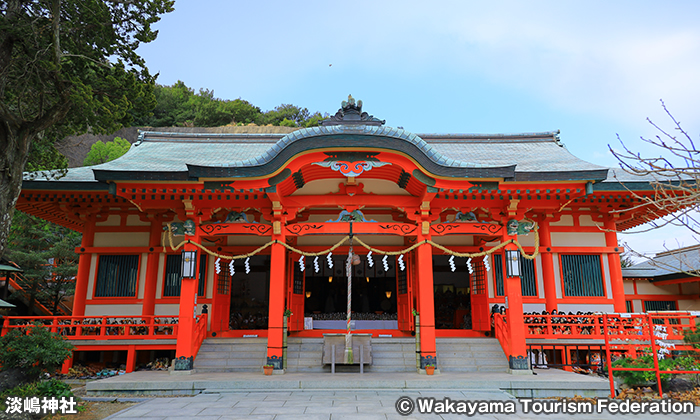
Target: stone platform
{"x": 545, "y": 383}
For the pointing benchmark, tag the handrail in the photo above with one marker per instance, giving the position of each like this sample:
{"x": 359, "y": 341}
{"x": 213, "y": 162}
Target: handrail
{"x": 100, "y": 327}
{"x": 590, "y": 326}
{"x": 502, "y": 333}
{"x": 200, "y": 333}
{"x": 654, "y": 330}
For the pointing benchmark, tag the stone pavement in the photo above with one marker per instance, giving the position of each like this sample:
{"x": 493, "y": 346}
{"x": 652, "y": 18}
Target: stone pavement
{"x": 340, "y": 404}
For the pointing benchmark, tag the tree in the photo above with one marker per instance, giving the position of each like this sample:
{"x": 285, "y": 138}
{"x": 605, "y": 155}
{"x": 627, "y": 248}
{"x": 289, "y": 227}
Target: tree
{"x": 34, "y": 350}
{"x": 46, "y": 253}
{"x": 66, "y": 67}
{"x": 104, "y": 152}
{"x": 674, "y": 176}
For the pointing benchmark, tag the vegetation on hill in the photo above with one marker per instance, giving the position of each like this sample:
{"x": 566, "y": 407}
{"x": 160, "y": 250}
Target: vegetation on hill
{"x": 179, "y": 105}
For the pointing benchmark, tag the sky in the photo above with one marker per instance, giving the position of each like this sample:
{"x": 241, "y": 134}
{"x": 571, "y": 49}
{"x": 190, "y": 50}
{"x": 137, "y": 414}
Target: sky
{"x": 596, "y": 70}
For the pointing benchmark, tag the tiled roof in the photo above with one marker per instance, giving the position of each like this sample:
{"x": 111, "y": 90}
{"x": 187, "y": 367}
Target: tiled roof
{"x": 532, "y": 155}
{"x": 678, "y": 261}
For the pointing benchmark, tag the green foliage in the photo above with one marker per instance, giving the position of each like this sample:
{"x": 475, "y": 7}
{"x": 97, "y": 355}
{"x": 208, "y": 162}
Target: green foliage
{"x": 179, "y": 105}
{"x": 46, "y": 253}
{"x": 633, "y": 378}
{"x": 34, "y": 349}
{"x": 693, "y": 338}
{"x": 68, "y": 67}
{"x": 104, "y": 152}
{"x": 48, "y": 388}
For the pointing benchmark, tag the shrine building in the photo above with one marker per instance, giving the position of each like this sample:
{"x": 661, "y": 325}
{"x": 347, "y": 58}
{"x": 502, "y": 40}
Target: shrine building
{"x": 201, "y": 235}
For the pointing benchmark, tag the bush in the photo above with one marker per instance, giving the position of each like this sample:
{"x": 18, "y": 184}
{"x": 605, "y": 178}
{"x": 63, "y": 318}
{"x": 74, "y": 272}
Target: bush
{"x": 35, "y": 350}
{"x": 634, "y": 378}
{"x": 49, "y": 388}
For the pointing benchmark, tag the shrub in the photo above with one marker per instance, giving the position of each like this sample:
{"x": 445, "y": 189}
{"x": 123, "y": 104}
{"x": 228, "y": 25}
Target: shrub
{"x": 49, "y": 388}
{"x": 35, "y": 350}
{"x": 633, "y": 378}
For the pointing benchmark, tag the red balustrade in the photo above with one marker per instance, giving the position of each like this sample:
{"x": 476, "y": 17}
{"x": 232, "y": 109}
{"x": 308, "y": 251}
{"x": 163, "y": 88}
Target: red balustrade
{"x": 100, "y": 327}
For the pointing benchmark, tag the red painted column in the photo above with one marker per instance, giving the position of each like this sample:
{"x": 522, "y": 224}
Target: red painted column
{"x": 516, "y": 323}
{"x": 618, "y": 288}
{"x": 83, "y": 277}
{"x": 149, "y": 292}
{"x": 426, "y": 302}
{"x": 548, "y": 279}
{"x": 278, "y": 259}
{"x": 186, "y": 324}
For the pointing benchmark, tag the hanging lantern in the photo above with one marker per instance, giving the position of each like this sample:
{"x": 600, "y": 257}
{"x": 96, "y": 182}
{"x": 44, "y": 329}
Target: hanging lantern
{"x": 512, "y": 263}
{"x": 189, "y": 264}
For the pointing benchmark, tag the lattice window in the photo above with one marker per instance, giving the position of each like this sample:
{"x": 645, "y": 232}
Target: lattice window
{"x": 117, "y": 276}
{"x": 298, "y": 280}
{"x": 583, "y": 275}
{"x": 528, "y": 280}
{"x": 660, "y": 305}
{"x": 223, "y": 283}
{"x": 628, "y": 306}
{"x": 478, "y": 279}
{"x": 498, "y": 273}
{"x": 172, "y": 280}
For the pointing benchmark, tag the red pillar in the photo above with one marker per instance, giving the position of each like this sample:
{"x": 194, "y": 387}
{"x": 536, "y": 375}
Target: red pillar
{"x": 149, "y": 292}
{"x": 516, "y": 323}
{"x": 618, "y": 288}
{"x": 550, "y": 288}
{"x": 187, "y": 314}
{"x": 130, "y": 359}
{"x": 278, "y": 259}
{"x": 83, "y": 277}
{"x": 426, "y": 302}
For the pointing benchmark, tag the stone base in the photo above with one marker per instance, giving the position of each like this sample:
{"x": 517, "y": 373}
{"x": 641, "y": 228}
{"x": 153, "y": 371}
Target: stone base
{"x": 520, "y": 371}
{"x": 182, "y": 372}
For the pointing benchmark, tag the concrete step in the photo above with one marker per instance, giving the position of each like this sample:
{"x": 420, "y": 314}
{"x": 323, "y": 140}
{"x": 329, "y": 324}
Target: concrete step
{"x": 231, "y": 355}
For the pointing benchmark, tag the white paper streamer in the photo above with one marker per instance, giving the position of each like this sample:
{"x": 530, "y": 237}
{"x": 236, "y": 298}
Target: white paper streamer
{"x": 401, "y": 264}
{"x": 247, "y": 265}
{"x": 231, "y": 268}
{"x": 469, "y": 266}
{"x": 330, "y": 260}
{"x": 453, "y": 267}
{"x": 302, "y": 267}
{"x": 217, "y": 265}
{"x": 487, "y": 266}
{"x": 370, "y": 260}
{"x": 316, "y": 266}
{"x": 386, "y": 264}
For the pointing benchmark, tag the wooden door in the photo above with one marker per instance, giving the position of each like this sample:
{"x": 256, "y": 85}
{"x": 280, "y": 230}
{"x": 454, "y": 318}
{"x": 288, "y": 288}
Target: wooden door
{"x": 295, "y": 296}
{"x": 404, "y": 293}
{"x": 480, "y": 297}
{"x": 222, "y": 301}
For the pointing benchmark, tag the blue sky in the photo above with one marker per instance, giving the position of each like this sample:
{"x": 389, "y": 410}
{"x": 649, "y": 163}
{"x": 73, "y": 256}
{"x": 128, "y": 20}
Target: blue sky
{"x": 592, "y": 69}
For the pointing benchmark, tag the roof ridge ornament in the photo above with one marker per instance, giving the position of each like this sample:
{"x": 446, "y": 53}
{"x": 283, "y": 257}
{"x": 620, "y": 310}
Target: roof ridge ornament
{"x": 351, "y": 113}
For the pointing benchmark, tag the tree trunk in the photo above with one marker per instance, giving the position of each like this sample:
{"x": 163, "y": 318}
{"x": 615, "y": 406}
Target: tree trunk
{"x": 14, "y": 151}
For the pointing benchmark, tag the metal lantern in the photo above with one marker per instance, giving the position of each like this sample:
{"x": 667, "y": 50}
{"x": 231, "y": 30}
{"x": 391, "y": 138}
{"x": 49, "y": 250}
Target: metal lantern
{"x": 189, "y": 264}
{"x": 512, "y": 263}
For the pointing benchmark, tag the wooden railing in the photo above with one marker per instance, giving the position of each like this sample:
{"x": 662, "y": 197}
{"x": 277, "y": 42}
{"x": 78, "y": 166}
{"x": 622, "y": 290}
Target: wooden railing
{"x": 621, "y": 327}
{"x": 657, "y": 332}
{"x": 502, "y": 333}
{"x": 101, "y": 328}
{"x": 200, "y": 333}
